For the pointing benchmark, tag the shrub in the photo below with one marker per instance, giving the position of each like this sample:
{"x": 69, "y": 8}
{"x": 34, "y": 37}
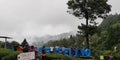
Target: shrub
{"x": 116, "y": 56}
{"x": 60, "y": 57}
{"x": 4, "y": 52}
{"x": 57, "y": 56}
{"x": 12, "y": 56}
{"x": 7, "y": 54}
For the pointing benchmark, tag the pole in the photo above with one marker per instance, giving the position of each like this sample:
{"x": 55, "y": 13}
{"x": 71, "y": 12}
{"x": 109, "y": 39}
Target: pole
{"x": 5, "y": 43}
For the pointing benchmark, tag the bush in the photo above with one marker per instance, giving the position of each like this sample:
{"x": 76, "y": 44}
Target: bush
{"x": 4, "y": 52}
{"x": 60, "y": 57}
{"x": 7, "y": 54}
{"x": 116, "y": 56}
{"x": 57, "y": 56}
{"x": 12, "y": 56}
{"x": 106, "y": 52}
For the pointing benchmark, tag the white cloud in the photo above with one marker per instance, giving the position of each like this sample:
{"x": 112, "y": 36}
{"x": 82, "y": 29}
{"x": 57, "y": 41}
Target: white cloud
{"x": 26, "y": 18}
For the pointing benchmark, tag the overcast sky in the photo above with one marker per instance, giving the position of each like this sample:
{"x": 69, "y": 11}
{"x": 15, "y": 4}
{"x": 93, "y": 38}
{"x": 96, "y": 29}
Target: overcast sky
{"x": 26, "y": 18}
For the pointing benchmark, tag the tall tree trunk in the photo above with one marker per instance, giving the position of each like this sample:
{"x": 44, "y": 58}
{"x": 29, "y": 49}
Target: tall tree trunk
{"x": 87, "y": 35}
{"x": 87, "y": 18}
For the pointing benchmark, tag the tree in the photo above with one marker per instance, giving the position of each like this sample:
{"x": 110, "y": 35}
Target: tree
{"x": 1, "y": 43}
{"x": 110, "y": 20}
{"x": 90, "y": 10}
{"x": 15, "y": 43}
{"x": 113, "y": 37}
{"x": 24, "y": 42}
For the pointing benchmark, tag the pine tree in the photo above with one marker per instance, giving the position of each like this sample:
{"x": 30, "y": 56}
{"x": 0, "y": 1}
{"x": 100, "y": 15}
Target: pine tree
{"x": 90, "y": 10}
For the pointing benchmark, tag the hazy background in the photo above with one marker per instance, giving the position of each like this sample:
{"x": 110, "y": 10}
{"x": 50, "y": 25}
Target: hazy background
{"x": 29, "y": 18}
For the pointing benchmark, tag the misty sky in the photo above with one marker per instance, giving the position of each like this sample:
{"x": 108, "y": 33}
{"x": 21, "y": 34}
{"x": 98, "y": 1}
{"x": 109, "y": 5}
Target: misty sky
{"x": 28, "y": 18}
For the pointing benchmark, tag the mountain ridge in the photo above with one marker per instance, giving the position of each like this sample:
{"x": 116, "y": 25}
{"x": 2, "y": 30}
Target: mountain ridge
{"x": 40, "y": 41}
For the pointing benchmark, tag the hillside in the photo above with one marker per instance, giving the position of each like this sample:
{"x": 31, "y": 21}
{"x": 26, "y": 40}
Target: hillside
{"x": 40, "y": 41}
{"x": 102, "y": 42}
{"x": 110, "y": 20}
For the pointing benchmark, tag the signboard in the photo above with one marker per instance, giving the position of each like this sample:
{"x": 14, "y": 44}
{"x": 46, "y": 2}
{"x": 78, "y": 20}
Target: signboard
{"x": 26, "y": 56}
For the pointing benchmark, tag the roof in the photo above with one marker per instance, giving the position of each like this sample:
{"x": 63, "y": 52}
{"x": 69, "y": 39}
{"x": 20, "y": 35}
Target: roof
{"x": 5, "y": 37}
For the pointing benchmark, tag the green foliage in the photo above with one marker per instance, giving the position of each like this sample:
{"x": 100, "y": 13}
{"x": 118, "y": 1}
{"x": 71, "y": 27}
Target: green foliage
{"x": 102, "y": 42}
{"x": 4, "y": 52}
{"x": 94, "y": 40}
{"x": 116, "y": 55}
{"x": 55, "y": 56}
{"x": 106, "y": 52}
{"x": 7, "y": 54}
{"x": 68, "y": 42}
{"x": 61, "y": 57}
{"x": 95, "y": 37}
{"x": 113, "y": 36}
{"x": 110, "y": 20}
{"x": 90, "y": 9}
{"x": 107, "y": 38}
{"x": 15, "y": 43}
{"x": 1, "y": 44}
{"x": 90, "y": 29}
{"x": 9, "y": 44}
{"x": 12, "y": 56}
{"x": 118, "y": 45}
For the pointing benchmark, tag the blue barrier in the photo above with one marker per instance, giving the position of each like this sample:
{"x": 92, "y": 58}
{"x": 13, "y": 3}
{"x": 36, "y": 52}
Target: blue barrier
{"x": 82, "y": 52}
{"x": 40, "y": 51}
{"x": 66, "y": 50}
{"x": 76, "y": 52}
{"x": 13, "y": 48}
{"x": 47, "y": 50}
{"x": 70, "y": 52}
{"x": 55, "y": 50}
{"x": 87, "y": 52}
{"x": 35, "y": 49}
{"x": 59, "y": 50}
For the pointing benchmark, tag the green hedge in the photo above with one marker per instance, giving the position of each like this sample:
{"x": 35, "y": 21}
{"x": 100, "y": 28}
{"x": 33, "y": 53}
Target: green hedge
{"x": 116, "y": 55}
{"x": 4, "y": 52}
{"x": 62, "y": 57}
{"x": 12, "y": 56}
{"x": 7, "y": 54}
{"x": 57, "y": 56}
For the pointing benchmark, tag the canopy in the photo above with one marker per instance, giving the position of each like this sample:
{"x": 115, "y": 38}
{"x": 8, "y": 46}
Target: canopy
{"x": 5, "y": 46}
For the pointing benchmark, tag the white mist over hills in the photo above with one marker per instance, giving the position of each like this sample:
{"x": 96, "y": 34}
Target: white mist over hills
{"x": 39, "y": 41}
